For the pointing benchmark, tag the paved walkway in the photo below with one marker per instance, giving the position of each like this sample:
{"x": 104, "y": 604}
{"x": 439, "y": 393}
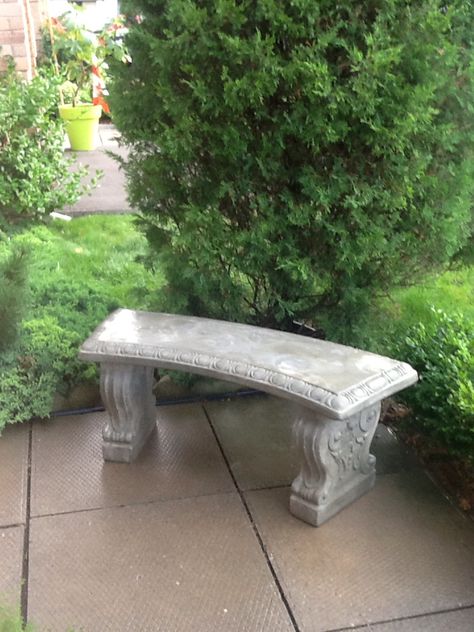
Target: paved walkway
{"x": 196, "y": 535}
{"x": 110, "y": 195}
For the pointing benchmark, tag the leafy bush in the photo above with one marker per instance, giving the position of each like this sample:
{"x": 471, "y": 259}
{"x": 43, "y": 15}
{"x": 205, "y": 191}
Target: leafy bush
{"x": 44, "y": 361}
{"x": 13, "y": 277}
{"x": 75, "y": 305}
{"x": 293, "y": 159}
{"x": 77, "y": 278}
{"x": 35, "y": 369}
{"x": 34, "y": 174}
{"x": 81, "y": 55}
{"x": 442, "y": 351}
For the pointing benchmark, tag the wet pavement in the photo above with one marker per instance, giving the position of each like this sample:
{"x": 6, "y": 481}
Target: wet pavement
{"x": 196, "y": 535}
{"x": 109, "y": 196}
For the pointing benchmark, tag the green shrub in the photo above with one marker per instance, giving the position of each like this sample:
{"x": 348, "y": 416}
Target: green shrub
{"x": 77, "y": 306}
{"x": 42, "y": 363}
{"x": 34, "y": 174}
{"x": 79, "y": 272}
{"x": 13, "y": 278}
{"x": 293, "y": 159}
{"x": 442, "y": 351}
{"x": 34, "y": 180}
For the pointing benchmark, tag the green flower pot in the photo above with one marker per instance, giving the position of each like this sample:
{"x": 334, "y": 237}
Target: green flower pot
{"x": 82, "y": 125}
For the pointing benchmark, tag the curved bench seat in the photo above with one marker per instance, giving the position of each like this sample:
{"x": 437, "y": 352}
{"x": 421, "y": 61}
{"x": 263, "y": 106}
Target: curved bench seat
{"x": 338, "y": 388}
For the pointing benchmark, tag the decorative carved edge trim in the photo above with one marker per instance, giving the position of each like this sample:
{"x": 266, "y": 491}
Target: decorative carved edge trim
{"x": 338, "y": 405}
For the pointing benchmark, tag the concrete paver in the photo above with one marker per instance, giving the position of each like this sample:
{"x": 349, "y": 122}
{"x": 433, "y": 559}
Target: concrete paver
{"x": 392, "y": 456}
{"x": 400, "y": 550}
{"x": 108, "y": 135}
{"x": 167, "y": 543}
{"x": 13, "y": 474}
{"x": 181, "y": 459}
{"x": 187, "y": 565}
{"x": 110, "y": 194}
{"x": 255, "y": 434}
{"x": 11, "y": 559}
{"x": 457, "y": 621}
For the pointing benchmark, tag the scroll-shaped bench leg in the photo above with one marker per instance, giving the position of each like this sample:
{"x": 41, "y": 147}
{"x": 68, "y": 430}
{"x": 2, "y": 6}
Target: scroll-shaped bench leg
{"x": 128, "y": 397}
{"x": 336, "y": 466}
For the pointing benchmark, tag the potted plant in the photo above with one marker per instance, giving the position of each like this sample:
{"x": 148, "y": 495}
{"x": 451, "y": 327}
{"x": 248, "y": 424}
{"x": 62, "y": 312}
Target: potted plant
{"x": 80, "y": 56}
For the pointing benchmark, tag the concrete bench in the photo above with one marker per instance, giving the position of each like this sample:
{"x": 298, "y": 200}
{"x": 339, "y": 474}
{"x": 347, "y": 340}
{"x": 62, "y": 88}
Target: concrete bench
{"x": 337, "y": 392}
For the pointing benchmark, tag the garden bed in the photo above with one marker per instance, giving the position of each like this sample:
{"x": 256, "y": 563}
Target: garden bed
{"x": 78, "y": 273}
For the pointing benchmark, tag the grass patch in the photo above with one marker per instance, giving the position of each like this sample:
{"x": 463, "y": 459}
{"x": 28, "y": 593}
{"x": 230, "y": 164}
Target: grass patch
{"x": 103, "y": 251}
{"x": 391, "y": 317}
{"x": 453, "y": 290}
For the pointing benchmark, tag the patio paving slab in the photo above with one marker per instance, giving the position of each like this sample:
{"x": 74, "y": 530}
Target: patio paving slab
{"x": 13, "y": 474}
{"x": 400, "y": 550}
{"x": 458, "y": 621}
{"x": 181, "y": 459}
{"x": 255, "y": 434}
{"x": 108, "y": 136}
{"x": 11, "y": 559}
{"x": 110, "y": 195}
{"x": 176, "y": 566}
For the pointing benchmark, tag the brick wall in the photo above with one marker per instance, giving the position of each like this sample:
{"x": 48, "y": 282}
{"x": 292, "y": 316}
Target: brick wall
{"x": 20, "y": 22}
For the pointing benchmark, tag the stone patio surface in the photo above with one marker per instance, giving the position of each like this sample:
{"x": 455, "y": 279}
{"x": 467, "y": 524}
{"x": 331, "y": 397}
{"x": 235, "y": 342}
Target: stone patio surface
{"x": 196, "y": 535}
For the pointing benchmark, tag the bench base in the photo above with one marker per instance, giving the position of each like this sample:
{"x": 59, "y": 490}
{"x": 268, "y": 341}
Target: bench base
{"x": 336, "y": 465}
{"x": 125, "y": 452}
{"x": 127, "y": 393}
{"x": 316, "y": 515}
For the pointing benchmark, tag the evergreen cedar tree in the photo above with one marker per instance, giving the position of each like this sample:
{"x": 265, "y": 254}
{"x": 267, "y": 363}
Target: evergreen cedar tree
{"x": 293, "y": 159}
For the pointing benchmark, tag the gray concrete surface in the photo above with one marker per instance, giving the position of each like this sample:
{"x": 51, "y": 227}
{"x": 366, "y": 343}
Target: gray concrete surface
{"x": 196, "y": 535}
{"x": 110, "y": 194}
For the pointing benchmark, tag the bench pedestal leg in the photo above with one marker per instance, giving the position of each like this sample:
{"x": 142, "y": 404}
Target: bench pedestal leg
{"x": 128, "y": 397}
{"x": 337, "y": 467}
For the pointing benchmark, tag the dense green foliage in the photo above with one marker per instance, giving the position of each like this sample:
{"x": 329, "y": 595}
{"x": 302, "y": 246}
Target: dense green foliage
{"x": 292, "y": 159}
{"x": 81, "y": 55}
{"x": 36, "y": 368}
{"x": 34, "y": 180}
{"x": 13, "y": 274}
{"x": 34, "y": 174}
{"x": 76, "y": 279}
{"x": 431, "y": 326}
{"x": 442, "y": 351}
